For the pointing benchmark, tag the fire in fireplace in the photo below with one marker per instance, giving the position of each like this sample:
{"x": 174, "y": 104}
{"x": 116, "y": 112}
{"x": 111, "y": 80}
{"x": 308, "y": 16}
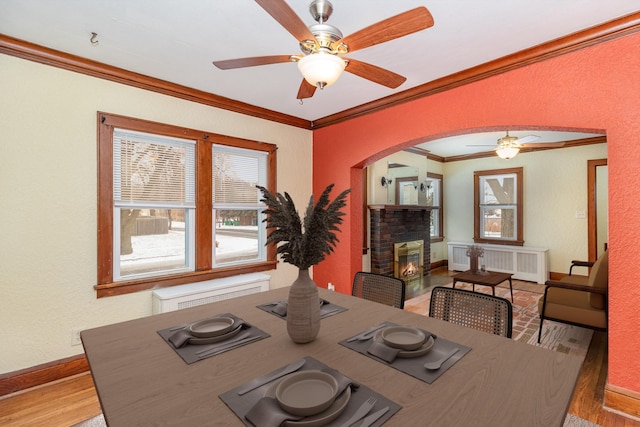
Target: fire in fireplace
{"x": 408, "y": 259}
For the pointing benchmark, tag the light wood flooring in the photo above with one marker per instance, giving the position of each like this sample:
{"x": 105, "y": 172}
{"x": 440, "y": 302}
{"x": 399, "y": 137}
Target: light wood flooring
{"x": 69, "y": 401}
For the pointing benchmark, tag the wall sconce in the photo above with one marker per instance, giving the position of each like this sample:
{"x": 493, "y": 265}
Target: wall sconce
{"x": 385, "y": 181}
{"x": 425, "y": 187}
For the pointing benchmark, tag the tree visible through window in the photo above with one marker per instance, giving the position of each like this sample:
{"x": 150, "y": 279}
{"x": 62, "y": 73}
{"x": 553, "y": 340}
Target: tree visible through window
{"x": 178, "y": 205}
{"x": 498, "y": 206}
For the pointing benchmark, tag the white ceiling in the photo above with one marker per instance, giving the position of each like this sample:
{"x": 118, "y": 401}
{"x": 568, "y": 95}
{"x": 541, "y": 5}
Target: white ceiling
{"x": 487, "y": 141}
{"x": 177, "y": 40}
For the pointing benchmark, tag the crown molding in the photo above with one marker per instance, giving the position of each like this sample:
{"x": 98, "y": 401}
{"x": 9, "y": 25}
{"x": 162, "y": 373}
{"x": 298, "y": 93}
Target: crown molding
{"x": 617, "y": 28}
{"x": 33, "y": 52}
{"x": 620, "y": 27}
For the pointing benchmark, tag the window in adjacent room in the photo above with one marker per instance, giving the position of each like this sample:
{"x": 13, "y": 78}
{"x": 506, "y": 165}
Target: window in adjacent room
{"x": 178, "y": 205}
{"x": 498, "y": 206}
{"x": 433, "y": 191}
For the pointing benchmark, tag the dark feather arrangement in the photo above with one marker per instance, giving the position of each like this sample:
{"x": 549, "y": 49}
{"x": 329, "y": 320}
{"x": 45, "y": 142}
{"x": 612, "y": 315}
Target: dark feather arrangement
{"x": 303, "y": 244}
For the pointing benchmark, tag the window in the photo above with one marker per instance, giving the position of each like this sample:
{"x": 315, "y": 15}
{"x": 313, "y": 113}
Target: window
{"x": 153, "y": 204}
{"x": 178, "y": 205}
{"x": 433, "y": 192}
{"x": 238, "y": 236}
{"x": 498, "y": 206}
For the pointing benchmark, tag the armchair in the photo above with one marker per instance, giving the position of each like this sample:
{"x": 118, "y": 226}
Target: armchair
{"x": 578, "y": 300}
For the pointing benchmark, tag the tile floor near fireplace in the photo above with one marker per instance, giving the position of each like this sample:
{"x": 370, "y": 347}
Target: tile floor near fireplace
{"x": 419, "y": 287}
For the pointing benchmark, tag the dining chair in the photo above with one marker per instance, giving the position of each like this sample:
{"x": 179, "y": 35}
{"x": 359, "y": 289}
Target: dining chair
{"x": 379, "y": 288}
{"x": 578, "y": 300}
{"x": 475, "y": 310}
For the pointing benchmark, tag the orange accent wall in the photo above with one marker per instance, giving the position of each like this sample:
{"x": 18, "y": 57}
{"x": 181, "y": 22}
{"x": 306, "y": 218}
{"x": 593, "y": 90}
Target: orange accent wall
{"x": 597, "y": 88}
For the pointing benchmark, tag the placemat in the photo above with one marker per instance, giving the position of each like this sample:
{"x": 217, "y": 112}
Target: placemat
{"x": 415, "y": 366}
{"x": 279, "y": 309}
{"x": 241, "y": 405}
{"x": 189, "y": 352}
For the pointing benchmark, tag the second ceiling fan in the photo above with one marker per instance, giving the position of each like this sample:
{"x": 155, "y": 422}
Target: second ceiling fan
{"x": 508, "y": 146}
{"x": 324, "y": 48}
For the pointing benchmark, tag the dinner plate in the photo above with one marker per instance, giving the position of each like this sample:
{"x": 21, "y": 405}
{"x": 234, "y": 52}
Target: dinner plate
{"x": 307, "y": 392}
{"x": 408, "y": 354}
{"x": 211, "y": 327}
{"x": 215, "y": 339}
{"x": 402, "y": 337}
{"x": 323, "y": 418}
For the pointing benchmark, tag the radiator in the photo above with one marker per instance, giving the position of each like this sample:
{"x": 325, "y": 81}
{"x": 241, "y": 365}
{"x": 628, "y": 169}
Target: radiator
{"x": 193, "y": 294}
{"x": 525, "y": 263}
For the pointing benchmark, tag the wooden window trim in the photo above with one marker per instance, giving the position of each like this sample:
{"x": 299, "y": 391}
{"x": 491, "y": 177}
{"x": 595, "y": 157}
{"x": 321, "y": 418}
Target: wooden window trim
{"x": 203, "y": 265}
{"x": 519, "y": 241}
{"x": 440, "y": 207}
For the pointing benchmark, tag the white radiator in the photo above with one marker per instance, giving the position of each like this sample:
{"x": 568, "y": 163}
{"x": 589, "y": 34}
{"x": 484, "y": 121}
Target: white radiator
{"x": 193, "y": 294}
{"x": 525, "y": 263}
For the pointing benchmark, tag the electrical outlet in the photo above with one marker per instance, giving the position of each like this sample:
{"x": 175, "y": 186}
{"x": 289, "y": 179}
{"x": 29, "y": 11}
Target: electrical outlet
{"x": 75, "y": 336}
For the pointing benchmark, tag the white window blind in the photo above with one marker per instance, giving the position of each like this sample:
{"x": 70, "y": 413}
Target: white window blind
{"x": 153, "y": 170}
{"x": 236, "y": 172}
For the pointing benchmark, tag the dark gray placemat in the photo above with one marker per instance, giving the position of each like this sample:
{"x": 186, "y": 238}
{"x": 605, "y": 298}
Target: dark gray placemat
{"x": 415, "y": 366}
{"x": 241, "y": 405}
{"x": 327, "y": 309}
{"x": 189, "y": 352}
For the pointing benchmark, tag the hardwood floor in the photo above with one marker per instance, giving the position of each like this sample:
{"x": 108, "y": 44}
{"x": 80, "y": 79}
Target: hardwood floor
{"x": 61, "y": 403}
{"x": 69, "y": 401}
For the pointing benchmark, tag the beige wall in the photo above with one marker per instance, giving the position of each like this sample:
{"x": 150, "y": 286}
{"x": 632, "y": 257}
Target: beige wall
{"x": 555, "y": 186}
{"x": 48, "y": 200}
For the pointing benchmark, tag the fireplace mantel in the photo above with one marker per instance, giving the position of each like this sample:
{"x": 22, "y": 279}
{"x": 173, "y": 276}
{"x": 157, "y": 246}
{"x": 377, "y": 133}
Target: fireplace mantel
{"x": 391, "y": 224}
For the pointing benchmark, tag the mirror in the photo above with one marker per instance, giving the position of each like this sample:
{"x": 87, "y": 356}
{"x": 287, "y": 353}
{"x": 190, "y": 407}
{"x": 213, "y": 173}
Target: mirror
{"x": 405, "y": 187}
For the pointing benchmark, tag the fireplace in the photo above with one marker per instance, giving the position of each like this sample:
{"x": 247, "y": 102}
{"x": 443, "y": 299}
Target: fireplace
{"x": 398, "y": 224}
{"x": 408, "y": 260}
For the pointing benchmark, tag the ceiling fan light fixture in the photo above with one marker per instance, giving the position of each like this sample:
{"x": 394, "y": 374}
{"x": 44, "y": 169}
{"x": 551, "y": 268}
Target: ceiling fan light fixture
{"x": 507, "y": 152}
{"x": 321, "y": 69}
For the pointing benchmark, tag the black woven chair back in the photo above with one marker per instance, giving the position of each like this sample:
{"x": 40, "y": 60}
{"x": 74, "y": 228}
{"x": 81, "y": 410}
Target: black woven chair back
{"x": 379, "y": 288}
{"x": 472, "y": 309}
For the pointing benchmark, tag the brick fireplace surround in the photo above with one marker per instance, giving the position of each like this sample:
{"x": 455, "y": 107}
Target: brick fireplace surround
{"x": 391, "y": 224}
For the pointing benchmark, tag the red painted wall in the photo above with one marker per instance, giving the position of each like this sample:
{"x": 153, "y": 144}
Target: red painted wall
{"x": 597, "y": 88}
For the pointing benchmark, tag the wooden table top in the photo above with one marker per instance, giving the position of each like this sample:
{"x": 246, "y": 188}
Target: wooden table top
{"x": 489, "y": 278}
{"x": 140, "y": 380}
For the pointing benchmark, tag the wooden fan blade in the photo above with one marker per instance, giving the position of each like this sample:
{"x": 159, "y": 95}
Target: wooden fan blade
{"x": 397, "y": 26}
{"x": 306, "y": 90}
{"x": 544, "y": 145}
{"x": 229, "y": 64}
{"x": 375, "y": 74}
{"x": 281, "y": 12}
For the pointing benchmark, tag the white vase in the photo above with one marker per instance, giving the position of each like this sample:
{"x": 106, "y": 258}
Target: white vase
{"x": 303, "y": 309}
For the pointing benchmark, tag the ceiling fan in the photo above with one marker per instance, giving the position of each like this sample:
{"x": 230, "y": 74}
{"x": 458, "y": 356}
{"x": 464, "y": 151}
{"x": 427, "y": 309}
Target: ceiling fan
{"x": 508, "y": 146}
{"x": 323, "y": 47}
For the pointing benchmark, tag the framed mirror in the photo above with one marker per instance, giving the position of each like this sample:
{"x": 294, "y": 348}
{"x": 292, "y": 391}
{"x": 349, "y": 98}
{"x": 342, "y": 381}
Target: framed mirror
{"x": 399, "y": 191}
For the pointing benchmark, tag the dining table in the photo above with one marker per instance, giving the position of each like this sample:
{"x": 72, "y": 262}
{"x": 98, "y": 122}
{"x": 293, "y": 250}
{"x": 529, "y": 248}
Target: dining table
{"x": 141, "y": 380}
